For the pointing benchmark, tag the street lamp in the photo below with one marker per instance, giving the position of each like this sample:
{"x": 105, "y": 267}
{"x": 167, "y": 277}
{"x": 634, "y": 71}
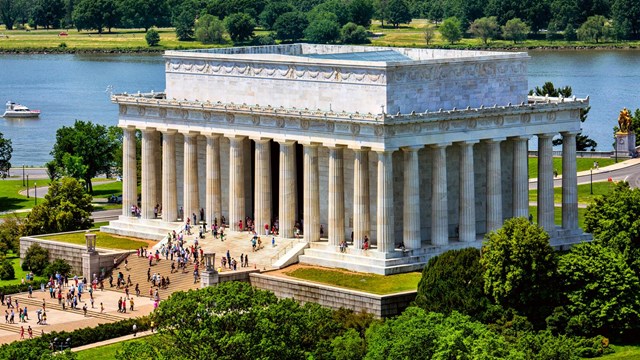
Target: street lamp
{"x": 35, "y": 192}
{"x": 22, "y": 174}
{"x": 27, "y": 186}
{"x": 592, "y": 180}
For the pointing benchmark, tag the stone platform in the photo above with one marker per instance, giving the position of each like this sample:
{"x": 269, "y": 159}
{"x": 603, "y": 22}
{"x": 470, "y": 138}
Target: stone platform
{"x": 152, "y": 229}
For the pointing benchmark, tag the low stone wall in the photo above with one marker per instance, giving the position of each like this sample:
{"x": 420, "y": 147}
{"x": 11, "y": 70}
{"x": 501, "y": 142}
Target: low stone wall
{"x": 72, "y": 253}
{"x": 332, "y": 297}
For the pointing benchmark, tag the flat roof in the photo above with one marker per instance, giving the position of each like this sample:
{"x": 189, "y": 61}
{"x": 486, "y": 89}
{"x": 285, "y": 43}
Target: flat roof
{"x": 384, "y": 56}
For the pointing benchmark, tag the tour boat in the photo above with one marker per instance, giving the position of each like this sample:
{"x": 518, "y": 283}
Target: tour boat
{"x": 13, "y": 110}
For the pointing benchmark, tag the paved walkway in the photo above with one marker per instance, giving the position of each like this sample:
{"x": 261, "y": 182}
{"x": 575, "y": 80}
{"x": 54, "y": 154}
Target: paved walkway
{"x": 112, "y": 341}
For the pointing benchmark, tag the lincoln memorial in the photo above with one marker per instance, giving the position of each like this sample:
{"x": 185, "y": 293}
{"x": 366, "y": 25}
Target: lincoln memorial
{"x": 418, "y": 150}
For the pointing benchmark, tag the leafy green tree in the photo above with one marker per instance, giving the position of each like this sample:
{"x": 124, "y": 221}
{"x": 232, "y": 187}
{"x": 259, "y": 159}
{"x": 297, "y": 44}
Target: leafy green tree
{"x": 35, "y": 259}
{"x": 453, "y": 281}
{"x": 429, "y": 34}
{"x": 47, "y": 13}
{"x": 565, "y": 12}
{"x": 88, "y": 141}
{"x": 520, "y": 269}
{"x": 485, "y": 28}
{"x": 516, "y": 30}
{"x": 11, "y": 11}
{"x": 348, "y": 346}
{"x": 272, "y": 11}
{"x": 435, "y": 11}
{"x": 10, "y": 231}
{"x": 144, "y": 13}
{"x": 240, "y": 26}
{"x": 603, "y": 292}
{"x": 353, "y": 34}
{"x": 322, "y": 31}
{"x": 626, "y": 17}
{"x": 290, "y": 26}
{"x": 5, "y": 156}
{"x": 58, "y": 266}
{"x": 548, "y": 89}
{"x": 552, "y": 32}
{"x": 95, "y": 15}
{"x": 570, "y": 33}
{"x": 7, "y": 271}
{"x": 450, "y": 30}
{"x": 209, "y": 30}
{"x": 337, "y": 7}
{"x": 152, "y": 37}
{"x": 594, "y": 29}
{"x": 66, "y": 207}
{"x": 184, "y": 24}
{"x": 398, "y": 13}
{"x": 361, "y": 12}
{"x": 381, "y": 10}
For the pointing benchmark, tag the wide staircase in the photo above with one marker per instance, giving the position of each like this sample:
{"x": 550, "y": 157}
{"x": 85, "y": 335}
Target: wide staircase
{"x": 153, "y": 229}
{"x": 37, "y": 303}
{"x": 137, "y": 268}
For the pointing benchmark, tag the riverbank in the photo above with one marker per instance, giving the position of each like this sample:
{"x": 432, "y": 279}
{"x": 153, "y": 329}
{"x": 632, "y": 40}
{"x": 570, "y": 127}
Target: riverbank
{"x": 125, "y": 41}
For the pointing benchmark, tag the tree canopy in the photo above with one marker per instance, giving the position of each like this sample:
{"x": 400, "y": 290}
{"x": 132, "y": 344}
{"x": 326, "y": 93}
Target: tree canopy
{"x": 450, "y": 30}
{"x": 5, "y": 156}
{"x": 240, "y": 26}
{"x": 516, "y": 30}
{"x": 485, "y": 28}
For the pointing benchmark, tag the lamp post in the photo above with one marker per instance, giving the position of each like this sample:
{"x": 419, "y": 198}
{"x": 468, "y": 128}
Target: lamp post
{"x": 35, "y": 192}
{"x": 22, "y": 174}
{"x": 27, "y": 186}
{"x": 592, "y": 180}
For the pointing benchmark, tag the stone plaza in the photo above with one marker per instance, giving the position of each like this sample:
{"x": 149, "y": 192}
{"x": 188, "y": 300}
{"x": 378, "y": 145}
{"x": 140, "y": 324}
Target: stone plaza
{"x": 418, "y": 150}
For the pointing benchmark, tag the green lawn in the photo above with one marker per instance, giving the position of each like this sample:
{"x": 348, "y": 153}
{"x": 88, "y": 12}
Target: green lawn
{"x": 20, "y": 274}
{"x": 582, "y": 164}
{"x": 106, "y": 351}
{"x": 584, "y": 192}
{"x": 376, "y": 284}
{"x": 103, "y": 191}
{"x": 103, "y": 240}
{"x": 11, "y": 200}
{"x": 558, "y": 215}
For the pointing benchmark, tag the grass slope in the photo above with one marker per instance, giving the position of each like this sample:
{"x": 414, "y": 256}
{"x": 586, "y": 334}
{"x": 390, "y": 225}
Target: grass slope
{"x": 103, "y": 240}
{"x": 582, "y": 164}
{"x": 584, "y": 192}
{"x": 533, "y": 210}
{"x": 376, "y": 284}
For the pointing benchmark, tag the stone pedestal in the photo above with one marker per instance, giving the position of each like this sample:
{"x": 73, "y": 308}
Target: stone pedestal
{"x": 90, "y": 264}
{"x": 625, "y": 144}
{"x": 209, "y": 278}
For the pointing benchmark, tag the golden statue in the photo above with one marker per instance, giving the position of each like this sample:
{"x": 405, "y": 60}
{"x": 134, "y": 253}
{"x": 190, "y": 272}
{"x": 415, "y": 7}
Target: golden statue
{"x": 624, "y": 121}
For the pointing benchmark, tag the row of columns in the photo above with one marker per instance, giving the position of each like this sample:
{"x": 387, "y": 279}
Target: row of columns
{"x": 361, "y": 205}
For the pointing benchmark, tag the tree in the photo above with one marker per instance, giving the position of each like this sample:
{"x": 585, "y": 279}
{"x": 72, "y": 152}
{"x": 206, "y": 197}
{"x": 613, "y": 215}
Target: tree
{"x": 485, "y": 28}
{"x": 10, "y": 234}
{"x": 272, "y": 11}
{"x": 95, "y": 14}
{"x": 88, "y": 142}
{"x": 290, "y": 26}
{"x": 35, "y": 259}
{"x": 144, "y": 13}
{"x": 58, "y": 266}
{"x": 548, "y": 89}
{"x": 349, "y": 346}
{"x": 450, "y": 30}
{"x": 361, "y": 12}
{"x": 429, "y": 33}
{"x": 520, "y": 268}
{"x": 5, "y": 156}
{"x": 322, "y": 31}
{"x": 47, "y": 13}
{"x": 381, "y": 10}
{"x": 594, "y": 29}
{"x": 353, "y": 34}
{"x": 337, "y": 7}
{"x": 516, "y": 30}
{"x": 570, "y": 33}
{"x": 6, "y": 270}
{"x": 10, "y": 11}
{"x": 453, "y": 281}
{"x": 209, "y": 30}
{"x": 66, "y": 207}
{"x": 152, "y": 37}
{"x": 552, "y": 32}
{"x": 398, "y": 13}
{"x": 184, "y": 24}
{"x": 603, "y": 292}
{"x": 240, "y": 26}
{"x": 626, "y": 17}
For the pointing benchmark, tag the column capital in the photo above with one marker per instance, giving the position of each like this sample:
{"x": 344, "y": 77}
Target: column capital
{"x": 412, "y": 148}
{"x": 520, "y": 138}
{"x": 284, "y": 141}
{"x": 127, "y": 127}
{"x": 188, "y": 133}
{"x": 234, "y": 136}
{"x": 261, "y": 140}
{"x": 440, "y": 145}
{"x": 386, "y": 150}
{"x": 168, "y": 131}
{"x": 359, "y": 148}
{"x": 310, "y": 143}
{"x": 494, "y": 140}
{"x": 468, "y": 142}
{"x": 334, "y": 146}
{"x": 570, "y": 133}
{"x": 545, "y": 135}
{"x": 148, "y": 130}
{"x": 212, "y": 135}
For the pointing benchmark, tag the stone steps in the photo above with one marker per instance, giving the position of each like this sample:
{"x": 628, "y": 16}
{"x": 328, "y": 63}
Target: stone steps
{"x": 153, "y": 229}
{"x": 96, "y": 314}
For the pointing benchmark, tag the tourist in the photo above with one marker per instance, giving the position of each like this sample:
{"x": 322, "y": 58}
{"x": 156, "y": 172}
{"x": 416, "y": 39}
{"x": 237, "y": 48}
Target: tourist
{"x": 246, "y": 261}
{"x": 101, "y": 308}
{"x": 131, "y": 304}
{"x": 135, "y": 330}
{"x": 30, "y": 331}
{"x": 84, "y": 310}
{"x": 21, "y": 332}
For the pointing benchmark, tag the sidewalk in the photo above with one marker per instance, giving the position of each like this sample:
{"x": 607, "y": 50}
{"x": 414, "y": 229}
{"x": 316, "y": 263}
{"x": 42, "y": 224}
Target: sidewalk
{"x": 112, "y": 341}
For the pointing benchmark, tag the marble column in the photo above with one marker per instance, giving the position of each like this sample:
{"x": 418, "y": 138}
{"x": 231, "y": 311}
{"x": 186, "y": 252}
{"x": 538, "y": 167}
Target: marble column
{"x": 467, "y": 220}
{"x": 311, "y": 191}
{"x": 520, "y": 177}
{"x": 157, "y": 155}
{"x": 439, "y": 207}
{"x": 385, "y": 223}
{"x": 148, "y": 178}
{"x": 545, "y": 183}
{"x": 236, "y": 182}
{"x": 191, "y": 190}
{"x": 411, "y": 211}
{"x": 569, "y": 182}
{"x": 213, "y": 188}
{"x": 129, "y": 169}
{"x": 262, "y": 188}
{"x": 361, "y": 215}
{"x": 336, "y": 195}
{"x": 169, "y": 184}
{"x": 287, "y": 189}
{"x": 494, "y": 185}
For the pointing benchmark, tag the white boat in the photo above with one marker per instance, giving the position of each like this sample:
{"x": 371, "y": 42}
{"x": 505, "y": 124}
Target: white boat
{"x": 13, "y": 110}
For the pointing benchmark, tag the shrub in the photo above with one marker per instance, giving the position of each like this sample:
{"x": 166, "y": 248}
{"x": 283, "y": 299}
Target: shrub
{"x": 152, "y": 37}
{"x": 353, "y": 34}
{"x": 6, "y": 270}
{"x": 36, "y": 259}
{"x": 209, "y": 30}
{"x": 60, "y": 266}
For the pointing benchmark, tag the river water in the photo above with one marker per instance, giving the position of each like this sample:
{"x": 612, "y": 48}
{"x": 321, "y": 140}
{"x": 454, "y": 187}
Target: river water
{"x": 69, "y": 87}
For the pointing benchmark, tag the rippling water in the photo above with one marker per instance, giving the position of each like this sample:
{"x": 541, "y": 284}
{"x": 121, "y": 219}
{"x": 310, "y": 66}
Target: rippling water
{"x": 69, "y": 87}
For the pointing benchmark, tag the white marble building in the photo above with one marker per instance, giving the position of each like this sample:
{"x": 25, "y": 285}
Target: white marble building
{"x": 421, "y": 147}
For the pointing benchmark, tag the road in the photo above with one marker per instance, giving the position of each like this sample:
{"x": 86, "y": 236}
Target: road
{"x": 628, "y": 171}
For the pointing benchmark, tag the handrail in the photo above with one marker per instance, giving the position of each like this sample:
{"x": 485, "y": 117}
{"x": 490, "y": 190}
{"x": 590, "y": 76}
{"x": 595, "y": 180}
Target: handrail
{"x": 282, "y": 252}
